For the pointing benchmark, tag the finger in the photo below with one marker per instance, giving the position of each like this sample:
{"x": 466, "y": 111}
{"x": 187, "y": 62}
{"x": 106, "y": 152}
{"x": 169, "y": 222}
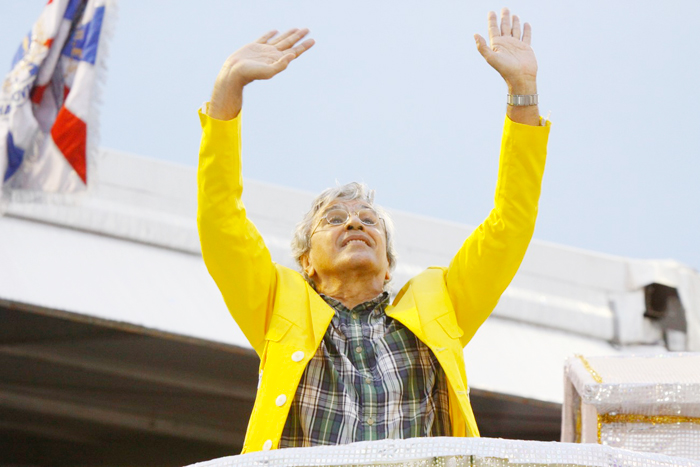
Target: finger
{"x": 303, "y": 47}
{"x": 527, "y": 33}
{"x": 292, "y": 39}
{"x": 482, "y": 47}
{"x": 492, "y": 21}
{"x": 505, "y": 22}
{"x": 516, "y": 27}
{"x": 263, "y": 39}
{"x": 282, "y": 37}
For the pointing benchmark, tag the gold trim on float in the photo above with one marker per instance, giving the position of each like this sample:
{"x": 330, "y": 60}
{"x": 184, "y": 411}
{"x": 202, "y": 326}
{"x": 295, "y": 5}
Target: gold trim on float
{"x": 638, "y": 418}
{"x": 594, "y": 374}
{"x": 578, "y": 422}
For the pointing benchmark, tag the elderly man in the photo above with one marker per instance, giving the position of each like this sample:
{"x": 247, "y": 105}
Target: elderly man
{"x": 338, "y": 363}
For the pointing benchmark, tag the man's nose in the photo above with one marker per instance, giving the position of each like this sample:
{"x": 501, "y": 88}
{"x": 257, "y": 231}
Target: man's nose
{"x": 354, "y": 223}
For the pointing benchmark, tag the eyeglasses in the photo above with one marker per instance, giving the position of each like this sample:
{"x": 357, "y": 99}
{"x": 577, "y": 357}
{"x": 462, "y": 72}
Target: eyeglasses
{"x": 340, "y": 216}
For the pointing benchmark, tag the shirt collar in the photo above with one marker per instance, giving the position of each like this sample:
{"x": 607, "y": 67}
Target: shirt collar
{"x": 379, "y": 303}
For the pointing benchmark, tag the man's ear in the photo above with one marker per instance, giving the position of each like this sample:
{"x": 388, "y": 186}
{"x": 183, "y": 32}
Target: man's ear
{"x": 387, "y": 276}
{"x": 306, "y": 265}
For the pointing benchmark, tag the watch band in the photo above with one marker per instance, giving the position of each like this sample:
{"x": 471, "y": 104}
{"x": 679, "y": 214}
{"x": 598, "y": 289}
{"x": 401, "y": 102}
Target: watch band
{"x": 522, "y": 100}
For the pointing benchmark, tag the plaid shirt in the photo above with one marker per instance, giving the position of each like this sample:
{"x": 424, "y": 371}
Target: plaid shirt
{"x": 371, "y": 378}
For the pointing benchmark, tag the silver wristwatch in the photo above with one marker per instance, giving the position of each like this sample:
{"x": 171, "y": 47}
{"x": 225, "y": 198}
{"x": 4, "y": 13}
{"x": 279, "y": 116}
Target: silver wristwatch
{"x": 522, "y": 100}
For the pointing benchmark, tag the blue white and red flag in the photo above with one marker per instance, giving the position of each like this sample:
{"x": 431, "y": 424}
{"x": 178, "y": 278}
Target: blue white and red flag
{"x": 47, "y": 103}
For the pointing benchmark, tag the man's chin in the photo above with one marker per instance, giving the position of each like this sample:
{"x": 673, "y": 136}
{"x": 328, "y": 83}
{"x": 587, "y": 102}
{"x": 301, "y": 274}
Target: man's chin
{"x": 356, "y": 260}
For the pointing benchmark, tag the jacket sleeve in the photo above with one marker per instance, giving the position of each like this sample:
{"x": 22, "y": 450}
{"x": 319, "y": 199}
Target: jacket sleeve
{"x": 232, "y": 248}
{"x": 489, "y": 258}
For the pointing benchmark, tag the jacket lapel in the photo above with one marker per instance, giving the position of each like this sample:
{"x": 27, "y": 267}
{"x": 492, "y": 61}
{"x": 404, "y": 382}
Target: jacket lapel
{"x": 404, "y": 311}
{"x": 321, "y": 315}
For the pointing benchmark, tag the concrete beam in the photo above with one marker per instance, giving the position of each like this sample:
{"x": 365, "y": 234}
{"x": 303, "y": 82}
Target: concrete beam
{"x": 156, "y": 425}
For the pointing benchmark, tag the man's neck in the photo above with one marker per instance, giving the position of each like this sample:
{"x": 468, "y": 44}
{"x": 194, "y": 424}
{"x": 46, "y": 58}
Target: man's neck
{"x": 350, "y": 292}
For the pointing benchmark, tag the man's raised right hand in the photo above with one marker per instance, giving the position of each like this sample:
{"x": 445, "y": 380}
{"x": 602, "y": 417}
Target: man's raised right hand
{"x": 261, "y": 59}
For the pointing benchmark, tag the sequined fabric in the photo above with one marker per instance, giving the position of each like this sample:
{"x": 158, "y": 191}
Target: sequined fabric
{"x": 453, "y": 452}
{"x": 643, "y": 403}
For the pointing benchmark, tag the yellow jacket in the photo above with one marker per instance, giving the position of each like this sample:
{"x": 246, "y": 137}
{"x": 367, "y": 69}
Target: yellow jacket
{"x": 285, "y": 319}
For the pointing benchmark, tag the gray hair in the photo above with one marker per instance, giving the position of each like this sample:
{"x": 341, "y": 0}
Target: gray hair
{"x": 301, "y": 242}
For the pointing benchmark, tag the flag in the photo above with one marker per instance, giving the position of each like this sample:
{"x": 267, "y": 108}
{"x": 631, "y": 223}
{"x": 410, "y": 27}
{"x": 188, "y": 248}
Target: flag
{"x": 47, "y": 103}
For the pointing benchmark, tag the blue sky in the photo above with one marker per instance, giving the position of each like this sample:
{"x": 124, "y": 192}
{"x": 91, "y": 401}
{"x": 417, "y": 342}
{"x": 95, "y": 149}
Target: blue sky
{"x": 396, "y": 95}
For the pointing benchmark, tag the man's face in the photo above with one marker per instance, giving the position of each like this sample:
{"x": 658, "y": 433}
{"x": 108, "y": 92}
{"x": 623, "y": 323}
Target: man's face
{"x": 352, "y": 246}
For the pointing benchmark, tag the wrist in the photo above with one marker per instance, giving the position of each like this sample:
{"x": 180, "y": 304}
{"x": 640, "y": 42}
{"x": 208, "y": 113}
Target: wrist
{"x": 227, "y": 110}
{"x": 522, "y": 87}
{"x": 226, "y": 102}
{"x": 235, "y": 77}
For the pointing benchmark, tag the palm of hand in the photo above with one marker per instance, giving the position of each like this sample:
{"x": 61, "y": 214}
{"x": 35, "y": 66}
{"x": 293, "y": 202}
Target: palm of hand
{"x": 255, "y": 61}
{"x": 509, "y": 51}
{"x": 265, "y": 57}
{"x": 512, "y": 57}
{"x": 261, "y": 59}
